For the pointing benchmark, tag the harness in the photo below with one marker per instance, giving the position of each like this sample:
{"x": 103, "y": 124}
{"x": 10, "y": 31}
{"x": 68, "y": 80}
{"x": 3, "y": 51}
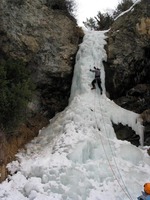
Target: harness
{"x": 97, "y": 73}
{"x": 97, "y": 77}
{"x": 144, "y": 196}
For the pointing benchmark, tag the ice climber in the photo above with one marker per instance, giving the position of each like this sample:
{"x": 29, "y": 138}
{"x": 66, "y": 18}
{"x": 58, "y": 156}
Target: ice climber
{"x": 96, "y": 79}
{"x": 146, "y": 194}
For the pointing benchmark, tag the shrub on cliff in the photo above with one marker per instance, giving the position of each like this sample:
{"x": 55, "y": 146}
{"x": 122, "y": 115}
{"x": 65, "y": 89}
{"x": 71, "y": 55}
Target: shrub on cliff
{"x": 123, "y": 6}
{"x": 69, "y": 6}
{"x": 15, "y": 92}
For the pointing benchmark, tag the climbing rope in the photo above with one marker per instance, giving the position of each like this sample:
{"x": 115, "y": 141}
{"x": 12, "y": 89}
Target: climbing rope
{"x": 113, "y": 172}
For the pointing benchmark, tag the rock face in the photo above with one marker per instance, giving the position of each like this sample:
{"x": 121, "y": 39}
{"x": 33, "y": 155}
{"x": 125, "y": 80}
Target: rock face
{"x": 126, "y": 133}
{"x": 128, "y": 65}
{"x": 47, "y": 40}
{"x": 45, "y": 36}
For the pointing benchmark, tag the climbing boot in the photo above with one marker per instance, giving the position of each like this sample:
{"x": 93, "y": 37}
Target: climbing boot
{"x": 93, "y": 88}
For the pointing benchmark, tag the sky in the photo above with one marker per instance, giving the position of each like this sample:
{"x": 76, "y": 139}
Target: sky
{"x": 90, "y": 8}
{"x": 77, "y": 156}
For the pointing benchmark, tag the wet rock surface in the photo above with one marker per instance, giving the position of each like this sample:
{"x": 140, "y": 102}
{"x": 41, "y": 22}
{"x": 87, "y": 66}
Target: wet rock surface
{"x": 128, "y": 65}
{"x": 45, "y": 36}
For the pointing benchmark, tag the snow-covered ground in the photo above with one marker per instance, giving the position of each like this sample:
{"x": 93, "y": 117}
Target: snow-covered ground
{"x": 130, "y": 9}
{"x": 78, "y": 157}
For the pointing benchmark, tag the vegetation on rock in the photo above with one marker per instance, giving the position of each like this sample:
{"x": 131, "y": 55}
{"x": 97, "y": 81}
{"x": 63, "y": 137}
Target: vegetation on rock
{"x": 16, "y": 90}
{"x": 68, "y": 6}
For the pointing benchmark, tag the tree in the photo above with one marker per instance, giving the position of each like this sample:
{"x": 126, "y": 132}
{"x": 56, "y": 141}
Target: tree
{"x": 103, "y": 21}
{"x": 71, "y": 6}
{"x": 90, "y": 24}
{"x": 100, "y": 22}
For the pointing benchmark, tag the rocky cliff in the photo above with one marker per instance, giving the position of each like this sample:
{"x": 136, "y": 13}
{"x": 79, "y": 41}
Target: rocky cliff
{"x": 45, "y": 36}
{"x": 128, "y": 65}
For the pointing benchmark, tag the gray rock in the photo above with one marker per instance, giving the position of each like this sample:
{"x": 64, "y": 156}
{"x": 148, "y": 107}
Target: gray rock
{"x": 47, "y": 40}
{"x": 128, "y": 65}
